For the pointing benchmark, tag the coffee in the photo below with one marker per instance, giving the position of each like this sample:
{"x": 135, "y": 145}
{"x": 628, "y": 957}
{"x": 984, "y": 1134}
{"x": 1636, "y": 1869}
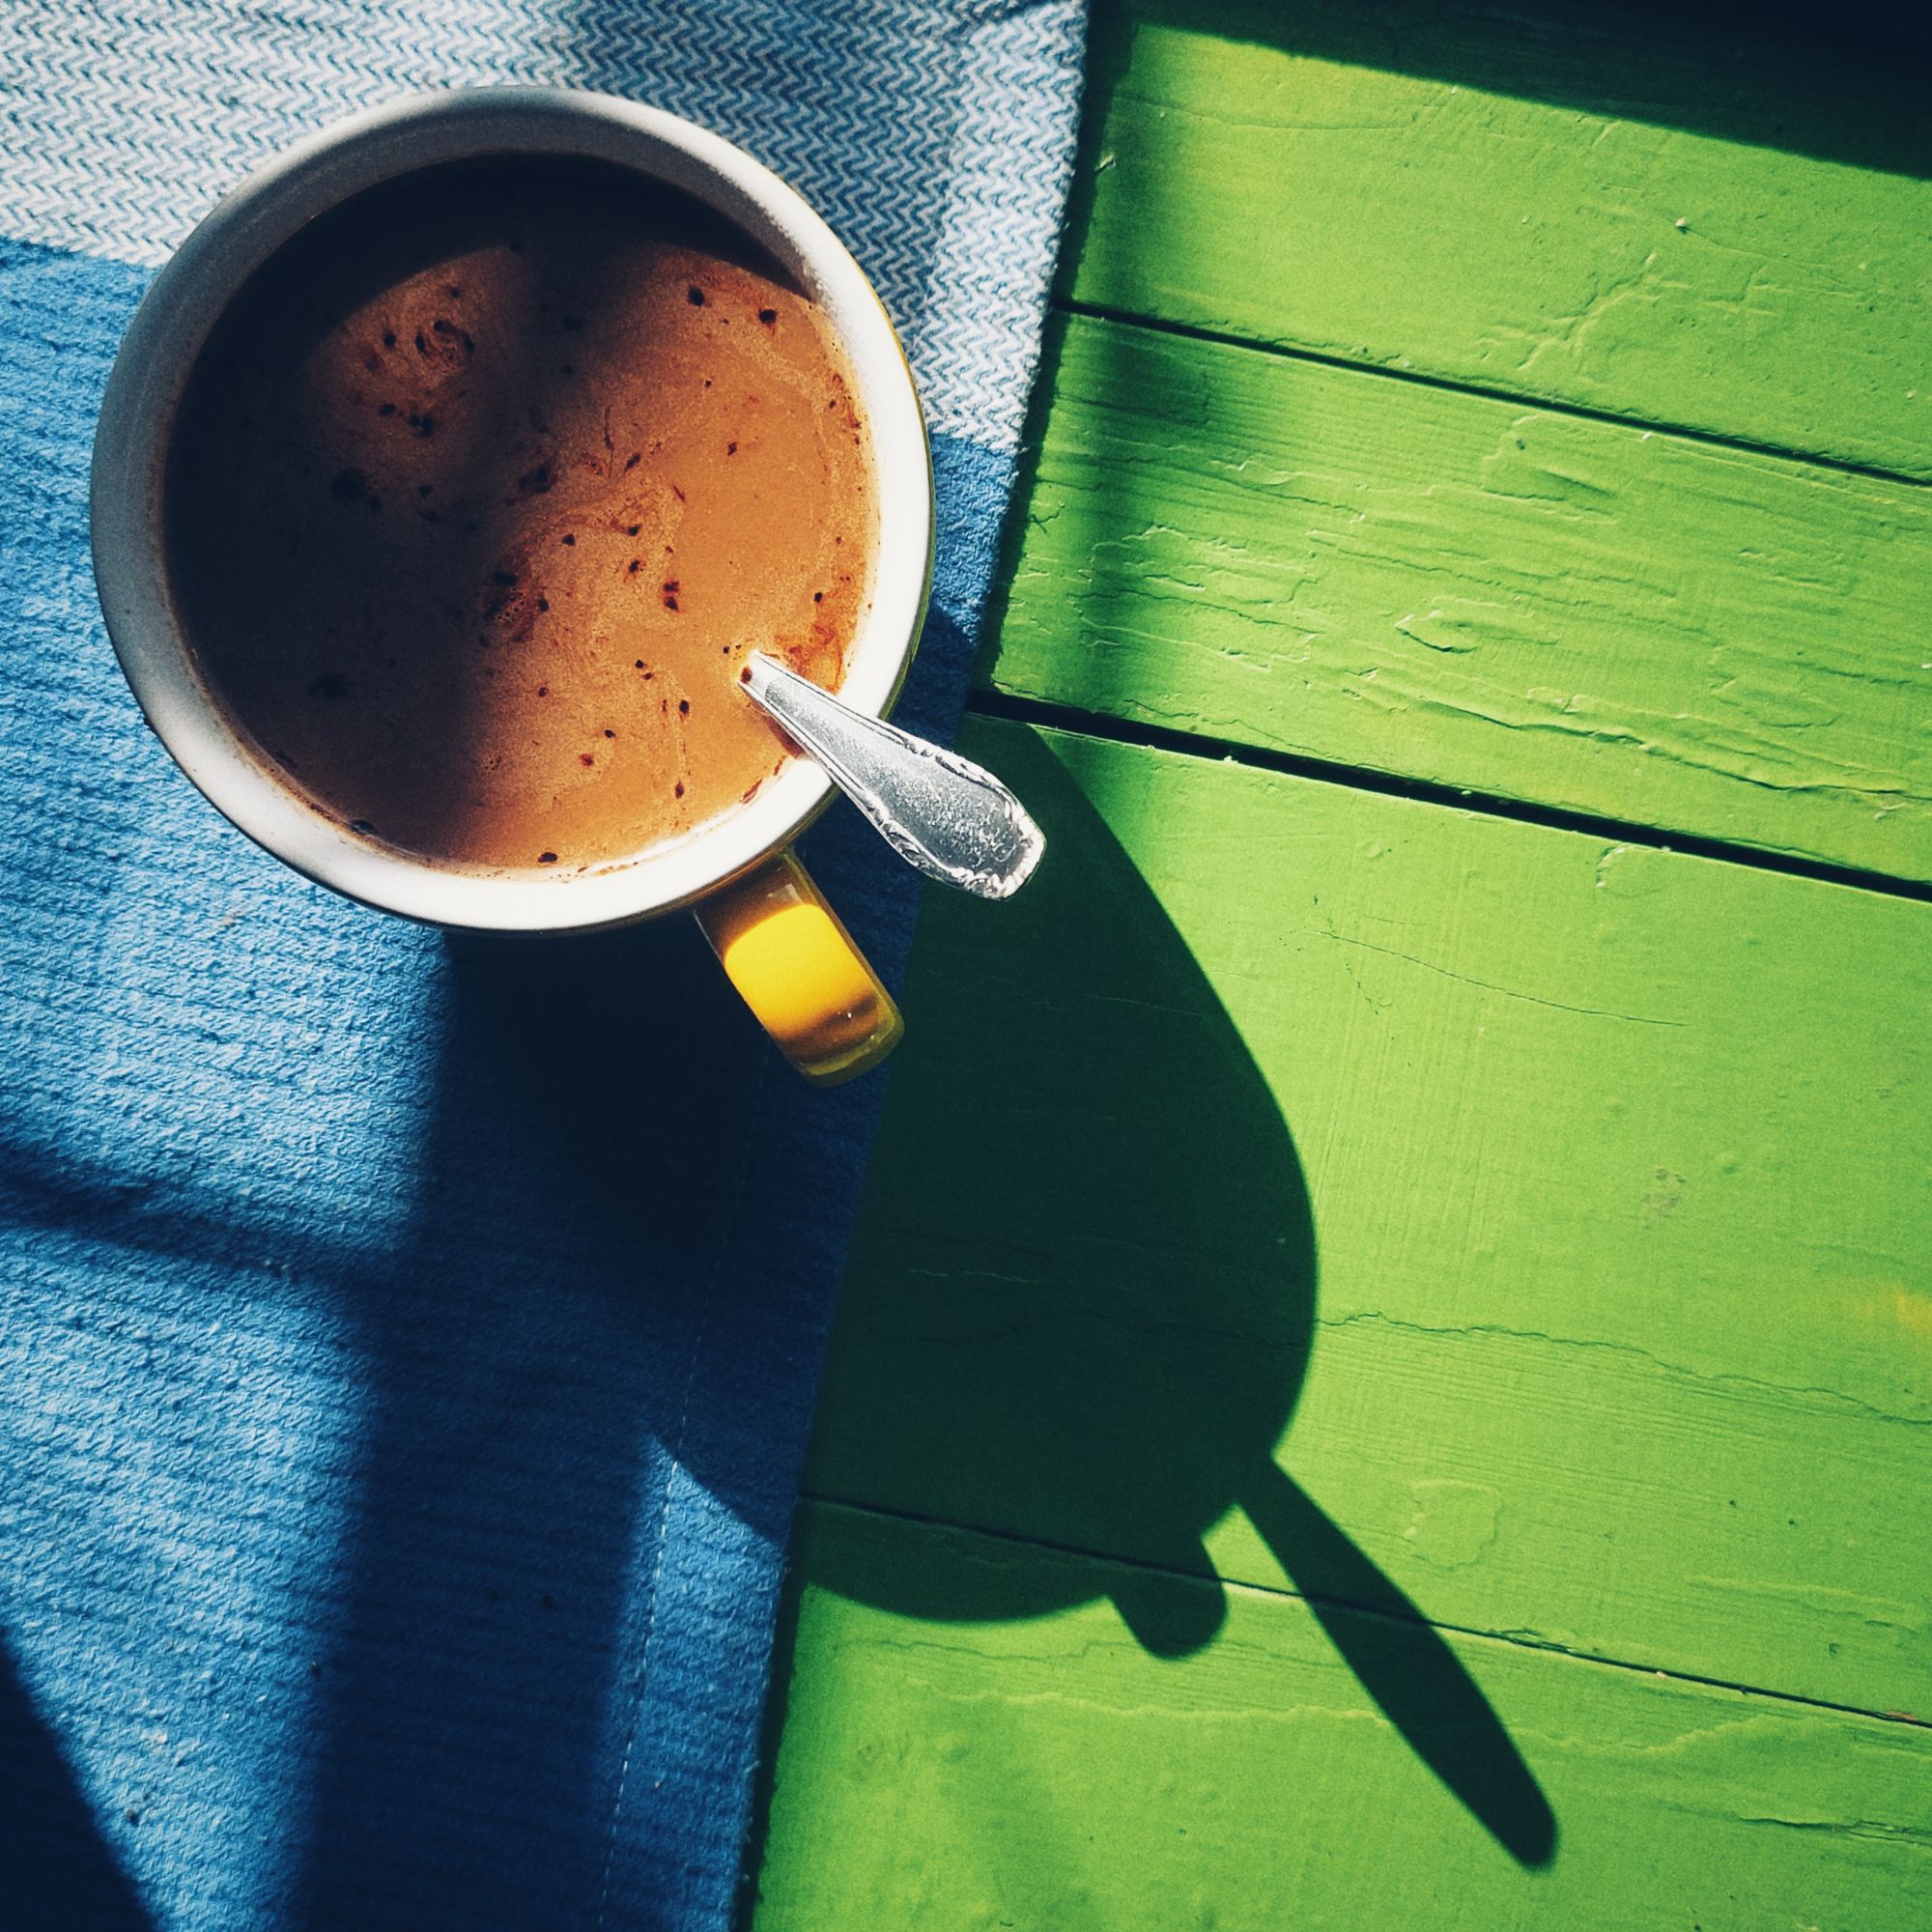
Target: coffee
{"x": 482, "y": 489}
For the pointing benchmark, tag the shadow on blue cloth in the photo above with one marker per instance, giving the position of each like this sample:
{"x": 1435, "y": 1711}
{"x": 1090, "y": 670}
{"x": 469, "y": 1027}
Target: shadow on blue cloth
{"x": 467, "y": 1742}
{"x": 467, "y": 1751}
{"x": 55, "y": 1870}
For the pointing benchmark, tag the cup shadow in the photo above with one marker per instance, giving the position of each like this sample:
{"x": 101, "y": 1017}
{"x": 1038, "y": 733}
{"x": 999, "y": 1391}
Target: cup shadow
{"x": 1123, "y": 1356}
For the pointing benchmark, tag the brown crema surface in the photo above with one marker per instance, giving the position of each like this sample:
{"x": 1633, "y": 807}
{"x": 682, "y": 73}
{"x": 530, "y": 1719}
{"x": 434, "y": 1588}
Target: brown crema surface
{"x": 484, "y": 486}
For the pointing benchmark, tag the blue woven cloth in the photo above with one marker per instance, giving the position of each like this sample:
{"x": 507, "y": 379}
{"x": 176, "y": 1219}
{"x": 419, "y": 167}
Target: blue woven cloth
{"x": 409, "y": 1343}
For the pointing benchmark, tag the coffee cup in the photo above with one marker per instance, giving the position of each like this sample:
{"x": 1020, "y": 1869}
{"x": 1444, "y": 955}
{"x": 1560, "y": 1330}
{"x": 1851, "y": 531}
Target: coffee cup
{"x": 779, "y": 942}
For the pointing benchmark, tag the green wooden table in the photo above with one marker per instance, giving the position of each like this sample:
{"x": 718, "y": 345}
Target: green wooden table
{"x": 1384, "y": 1376}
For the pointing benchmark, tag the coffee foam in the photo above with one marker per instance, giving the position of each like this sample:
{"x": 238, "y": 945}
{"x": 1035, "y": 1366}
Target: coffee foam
{"x": 484, "y": 488}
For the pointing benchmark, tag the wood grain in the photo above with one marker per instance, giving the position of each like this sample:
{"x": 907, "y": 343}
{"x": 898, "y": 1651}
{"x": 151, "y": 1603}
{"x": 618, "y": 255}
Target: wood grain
{"x": 1051, "y": 1776}
{"x": 1448, "y": 588}
{"x": 1670, "y": 219}
{"x": 1551, "y": 1211}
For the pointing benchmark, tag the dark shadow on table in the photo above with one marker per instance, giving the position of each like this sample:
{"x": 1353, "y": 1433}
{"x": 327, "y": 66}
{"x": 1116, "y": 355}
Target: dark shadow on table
{"x": 1116, "y": 1261}
{"x": 56, "y": 1869}
{"x": 1844, "y": 86}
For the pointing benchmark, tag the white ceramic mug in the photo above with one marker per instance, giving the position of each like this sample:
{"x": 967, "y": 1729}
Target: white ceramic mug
{"x": 783, "y": 948}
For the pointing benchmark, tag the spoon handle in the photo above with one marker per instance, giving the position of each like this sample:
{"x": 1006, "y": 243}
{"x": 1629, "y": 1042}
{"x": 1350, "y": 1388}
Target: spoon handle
{"x": 937, "y": 810}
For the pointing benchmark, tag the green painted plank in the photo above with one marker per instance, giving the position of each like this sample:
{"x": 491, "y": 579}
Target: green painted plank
{"x": 1051, "y": 1775}
{"x": 1450, "y": 588}
{"x": 1679, "y": 222}
{"x": 1553, "y": 1212}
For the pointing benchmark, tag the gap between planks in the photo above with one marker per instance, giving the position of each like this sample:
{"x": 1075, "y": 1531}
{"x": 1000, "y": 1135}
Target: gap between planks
{"x": 1544, "y": 405}
{"x": 989, "y": 702}
{"x": 818, "y": 1499}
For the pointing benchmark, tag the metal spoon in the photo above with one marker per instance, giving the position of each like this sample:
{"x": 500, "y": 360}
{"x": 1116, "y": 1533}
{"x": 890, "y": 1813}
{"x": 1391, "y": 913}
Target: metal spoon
{"x": 937, "y": 810}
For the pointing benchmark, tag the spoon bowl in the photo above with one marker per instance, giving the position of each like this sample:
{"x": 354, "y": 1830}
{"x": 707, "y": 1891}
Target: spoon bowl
{"x": 944, "y": 814}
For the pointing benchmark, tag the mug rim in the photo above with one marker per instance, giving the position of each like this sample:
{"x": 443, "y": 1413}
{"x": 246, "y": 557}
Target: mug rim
{"x": 196, "y": 286}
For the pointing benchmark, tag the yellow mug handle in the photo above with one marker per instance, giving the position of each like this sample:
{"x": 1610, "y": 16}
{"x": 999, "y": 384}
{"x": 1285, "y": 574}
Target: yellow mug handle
{"x": 797, "y": 967}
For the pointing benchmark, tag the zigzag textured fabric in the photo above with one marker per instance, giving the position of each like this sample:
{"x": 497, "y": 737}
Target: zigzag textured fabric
{"x": 408, "y": 1343}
